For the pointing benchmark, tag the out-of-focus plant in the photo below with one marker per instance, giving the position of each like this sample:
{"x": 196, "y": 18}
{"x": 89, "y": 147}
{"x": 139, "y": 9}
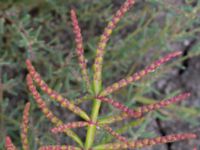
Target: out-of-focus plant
{"x": 96, "y": 93}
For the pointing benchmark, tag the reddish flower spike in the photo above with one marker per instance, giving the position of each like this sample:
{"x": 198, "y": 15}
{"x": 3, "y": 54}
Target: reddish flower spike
{"x": 79, "y": 124}
{"x": 115, "y": 118}
{"x": 105, "y": 37}
{"x": 147, "y": 142}
{"x": 59, "y": 147}
{"x": 9, "y": 145}
{"x": 79, "y": 48}
{"x": 124, "y": 82}
{"x": 163, "y": 103}
{"x": 115, "y": 134}
{"x": 138, "y": 112}
{"x": 53, "y": 94}
{"x": 42, "y": 105}
{"x": 195, "y": 148}
{"x": 24, "y": 127}
{"x": 120, "y": 106}
{"x": 70, "y": 125}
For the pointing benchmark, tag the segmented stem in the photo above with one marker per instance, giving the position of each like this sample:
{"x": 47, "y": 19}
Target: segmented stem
{"x": 120, "y": 106}
{"x": 71, "y": 125}
{"x": 79, "y": 48}
{"x": 164, "y": 103}
{"x": 53, "y": 94}
{"x": 128, "y": 80}
{"x": 24, "y": 127}
{"x": 48, "y": 113}
{"x": 97, "y": 68}
{"x": 79, "y": 124}
{"x": 59, "y": 147}
{"x": 146, "y": 142}
{"x": 105, "y": 37}
{"x": 114, "y": 134}
{"x": 9, "y": 145}
{"x": 138, "y": 112}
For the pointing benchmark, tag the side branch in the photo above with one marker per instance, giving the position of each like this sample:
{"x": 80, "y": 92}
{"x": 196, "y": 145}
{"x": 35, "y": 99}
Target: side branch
{"x": 137, "y": 76}
{"x": 105, "y": 37}
{"x": 59, "y": 147}
{"x": 24, "y": 127}
{"x": 121, "y": 107}
{"x": 53, "y": 94}
{"x": 79, "y": 48}
{"x": 146, "y": 142}
{"x": 48, "y": 113}
{"x": 138, "y": 112}
{"x": 79, "y": 124}
{"x": 9, "y": 145}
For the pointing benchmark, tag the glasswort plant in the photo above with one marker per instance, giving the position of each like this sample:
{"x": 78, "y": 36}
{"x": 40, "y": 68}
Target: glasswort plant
{"x": 97, "y": 94}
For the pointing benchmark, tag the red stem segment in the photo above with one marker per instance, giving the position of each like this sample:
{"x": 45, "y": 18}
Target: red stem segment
{"x": 124, "y": 82}
{"x": 146, "y": 142}
{"x": 9, "y": 145}
{"x": 138, "y": 112}
{"x": 79, "y": 48}
{"x": 24, "y": 127}
{"x": 53, "y": 94}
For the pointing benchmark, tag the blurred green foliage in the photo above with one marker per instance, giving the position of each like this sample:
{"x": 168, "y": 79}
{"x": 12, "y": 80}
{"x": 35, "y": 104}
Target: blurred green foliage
{"x": 144, "y": 34}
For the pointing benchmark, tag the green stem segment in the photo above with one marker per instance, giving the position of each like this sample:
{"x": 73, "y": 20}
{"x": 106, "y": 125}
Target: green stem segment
{"x": 94, "y": 116}
{"x": 92, "y": 128}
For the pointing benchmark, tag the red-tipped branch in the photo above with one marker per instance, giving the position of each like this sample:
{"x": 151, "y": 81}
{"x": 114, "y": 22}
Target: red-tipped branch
{"x": 105, "y": 37}
{"x": 124, "y": 82}
{"x": 41, "y": 104}
{"x": 9, "y": 145}
{"x": 70, "y": 125}
{"x": 120, "y": 106}
{"x": 48, "y": 113}
{"x": 24, "y": 127}
{"x": 79, "y": 48}
{"x": 53, "y": 94}
{"x": 59, "y": 147}
{"x": 164, "y": 103}
{"x": 146, "y": 142}
{"x": 138, "y": 112}
{"x": 114, "y": 134}
{"x": 79, "y": 124}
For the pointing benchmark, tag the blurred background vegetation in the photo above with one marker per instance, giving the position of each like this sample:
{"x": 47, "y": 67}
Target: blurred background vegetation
{"x": 149, "y": 30}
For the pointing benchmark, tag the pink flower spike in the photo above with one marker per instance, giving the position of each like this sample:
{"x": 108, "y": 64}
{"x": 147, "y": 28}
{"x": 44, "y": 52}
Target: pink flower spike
{"x": 115, "y": 134}
{"x": 9, "y": 145}
{"x": 147, "y": 142}
{"x": 138, "y": 75}
{"x": 24, "y": 127}
{"x": 105, "y": 37}
{"x": 59, "y": 147}
{"x": 195, "y": 148}
{"x": 120, "y": 106}
{"x": 79, "y": 48}
{"x": 47, "y": 112}
{"x": 138, "y": 112}
{"x": 79, "y": 124}
{"x": 64, "y": 102}
{"x": 163, "y": 103}
{"x": 70, "y": 125}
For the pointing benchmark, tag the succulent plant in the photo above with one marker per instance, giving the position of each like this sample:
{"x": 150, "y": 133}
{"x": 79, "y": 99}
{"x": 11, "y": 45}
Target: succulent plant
{"x": 97, "y": 94}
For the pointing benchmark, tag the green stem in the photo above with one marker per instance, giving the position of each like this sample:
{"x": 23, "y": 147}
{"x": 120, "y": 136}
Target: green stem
{"x": 94, "y": 116}
{"x": 92, "y": 128}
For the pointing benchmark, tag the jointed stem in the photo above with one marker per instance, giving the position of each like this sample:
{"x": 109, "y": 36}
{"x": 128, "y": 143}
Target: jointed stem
{"x": 92, "y": 128}
{"x": 94, "y": 116}
{"x": 97, "y": 67}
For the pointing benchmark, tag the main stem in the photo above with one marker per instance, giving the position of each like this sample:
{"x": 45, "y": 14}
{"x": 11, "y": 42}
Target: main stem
{"x": 94, "y": 116}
